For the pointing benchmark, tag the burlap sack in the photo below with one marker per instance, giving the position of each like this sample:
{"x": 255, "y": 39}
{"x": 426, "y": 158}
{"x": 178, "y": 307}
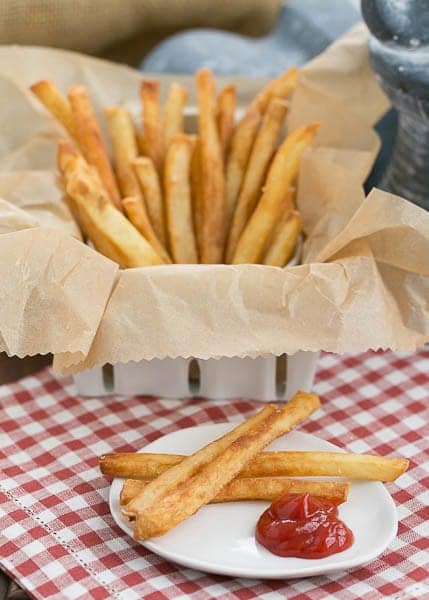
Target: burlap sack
{"x": 93, "y": 25}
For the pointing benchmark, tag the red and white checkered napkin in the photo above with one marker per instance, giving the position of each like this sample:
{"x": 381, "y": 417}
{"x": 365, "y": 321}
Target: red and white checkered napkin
{"x": 58, "y": 540}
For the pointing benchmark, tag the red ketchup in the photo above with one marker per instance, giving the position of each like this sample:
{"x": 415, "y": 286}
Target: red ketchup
{"x": 303, "y": 526}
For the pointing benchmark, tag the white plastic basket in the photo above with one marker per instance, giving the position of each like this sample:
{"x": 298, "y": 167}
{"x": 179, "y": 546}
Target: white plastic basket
{"x": 264, "y": 379}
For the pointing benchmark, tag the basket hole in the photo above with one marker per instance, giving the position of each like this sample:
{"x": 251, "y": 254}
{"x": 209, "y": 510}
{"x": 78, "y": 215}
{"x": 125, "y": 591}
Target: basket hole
{"x": 281, "y": 376}
{"x": 194, "y": 377}
{"x": 108, "y": 377}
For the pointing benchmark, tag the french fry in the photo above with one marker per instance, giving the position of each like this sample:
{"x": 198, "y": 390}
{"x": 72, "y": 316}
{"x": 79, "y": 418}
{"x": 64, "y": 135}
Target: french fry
{"x": 173, "y": 121}
{"x": 76, "y": 216}
{"x": 134, "y": 208}
{"x": 141, "y": 143}
{"x": 191, "y": 464}
{"x": 196, "y": 194}
{"x": 280, "y": 87}
{"x": 111, "y": 233}
{"x": 91, "y": 142}
{"x": 124, "y": 143}
{"x": 263, "y": 148}
{"x": 332, "y": 464}
{"x": 225, "y": 111}
{"x": 51, "y": 97}
{"x": 282, "y": 173}
{"x": 178, "y": 202}
{"x": 148, "y": 178}
{"x": 288, "y": 463}
{"x": 283, "y": 243}
{"x": 212, "y": 177}
{"x": 152, "y": 124}
{"x": 267, "y": 489}
{"x": 125, "y": 149}
{"x": 183, "y": 500}
{"x": 240, "y": 147}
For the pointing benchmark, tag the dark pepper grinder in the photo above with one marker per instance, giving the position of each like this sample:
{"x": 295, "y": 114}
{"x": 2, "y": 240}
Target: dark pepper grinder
{"x": 399, "y": 53}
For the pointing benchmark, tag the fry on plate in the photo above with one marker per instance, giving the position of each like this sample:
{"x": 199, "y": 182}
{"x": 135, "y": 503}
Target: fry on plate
{"x": 148, "y": 178}
{"x": 173, "y": 118}
{"x": 183, "y": 471}
{"x": 51, "y": 97}
{"x": 90, "y": 140}
{"x": 240, "y": 147}
{"x": 135, "y": 209}
{"x": 288, "y": 463}
{"x": 283, "y": 242}
{"x": 263, "y": 149}
{"x": 225, "y": 115}
{"x": 124, "y": 143}
{"x": 152, "y": 123}
{"x": 266, "y": 488}
{"x": 181, "y": 501}
{"x": 212, "y": 177}
{"x": 178, "y": 201}
{"x": 281, "y": 175}
{"x": 108, "y": 229}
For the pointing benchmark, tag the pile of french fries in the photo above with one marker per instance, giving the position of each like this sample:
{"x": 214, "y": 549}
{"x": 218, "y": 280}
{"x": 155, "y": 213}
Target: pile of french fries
{"x": 162, "y": 490}
{"x": 222, "y": 195}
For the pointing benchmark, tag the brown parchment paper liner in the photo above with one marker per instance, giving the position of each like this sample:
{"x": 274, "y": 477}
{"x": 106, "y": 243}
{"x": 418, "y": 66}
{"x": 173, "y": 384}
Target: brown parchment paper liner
{"x": 13, "y": 218}
{"x": 364, "y": 283}
{"x": 37, "y": 194}
{"x": 53, "y": 292}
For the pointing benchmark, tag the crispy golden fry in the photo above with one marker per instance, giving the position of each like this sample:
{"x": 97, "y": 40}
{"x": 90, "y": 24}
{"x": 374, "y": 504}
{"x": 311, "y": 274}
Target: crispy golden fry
{"x": 141, "y": 144}
{"x": 196, "y": 194}
{"x": 132, "y": 465}
{"x": 51, "y": 97}
{"x": 263, "y": 149}
{"x": 281, "y": 175}
{"x": 181, "y": 501}
{"x": 225, "y": 111}
{"x": 69, "y": 156}
{"x": 134, "y": 208}
{"x": 124, "y": 143}
{"x": 148, "y": 178}
{"x": 166, "y": 482}
{"x": 267, "y": 489}
{"x": 173, "y": 122}
{"x": 241, "y": 144}
{"x": 212, "y": 178}
{"x": 91, "y": 142}
{"x": 280, "y": 87}
{"x": 334, "y": 464}
{"x": 111, "y": 233}
{"x": 287, "y": 463}
{"x": 77, "y": 217}
{"x": 178, "y": 202}
{"x": 152, "y": 123}
{"x": 282, "y": 245}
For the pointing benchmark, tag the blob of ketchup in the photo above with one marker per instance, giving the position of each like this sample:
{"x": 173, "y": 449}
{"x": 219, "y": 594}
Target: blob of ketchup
{"x": 303, "y": 526}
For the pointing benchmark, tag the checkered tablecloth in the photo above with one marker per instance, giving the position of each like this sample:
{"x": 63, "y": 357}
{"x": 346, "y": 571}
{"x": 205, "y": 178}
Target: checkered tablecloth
{"x": 58, "y": 540}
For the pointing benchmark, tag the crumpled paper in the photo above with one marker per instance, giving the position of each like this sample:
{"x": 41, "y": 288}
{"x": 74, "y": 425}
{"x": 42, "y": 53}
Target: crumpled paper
{"x": 53, "y": 294}
{"x": 363, "y": 284}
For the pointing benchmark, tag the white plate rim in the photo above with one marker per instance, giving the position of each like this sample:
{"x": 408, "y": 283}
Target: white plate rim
{"x": 312, "y": 570}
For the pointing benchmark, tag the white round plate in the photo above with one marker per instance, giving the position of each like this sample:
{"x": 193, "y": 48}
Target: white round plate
{"x": 220, "y": 537}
